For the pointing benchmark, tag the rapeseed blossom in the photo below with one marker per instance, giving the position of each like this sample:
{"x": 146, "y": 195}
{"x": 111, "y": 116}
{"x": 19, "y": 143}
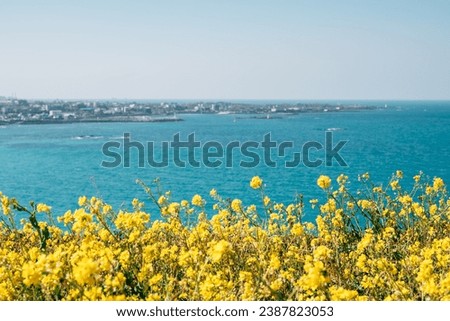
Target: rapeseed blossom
{"x": 324, "y": 181}
{"x": 382, "y": 244}
{"x": 197, "y": 200}
{"x": 43, "y": 208}
{"x": 256, "y": 182}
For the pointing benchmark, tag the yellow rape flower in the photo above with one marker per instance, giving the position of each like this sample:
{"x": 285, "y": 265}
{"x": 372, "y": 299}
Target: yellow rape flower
{"x": 324, "y": 182}
{"x": 236, "y": 205}
{"x": 43, "y": 208}
{"x": 342, "y": 179}
{"x": 82, "y": 201}
{"x": 162, "y": 199}
{"x": 438, "y": 184}
{"x": 197, "y": 200}
{"x": 394, "y": 185}
{"x": 256, "y": 182}
{"x": 5, "y": 205}
{"x": 219, "y": 249}
{"x": 398, "y": 248}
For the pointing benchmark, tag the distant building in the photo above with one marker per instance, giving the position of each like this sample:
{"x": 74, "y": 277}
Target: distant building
{"x": 55, "y": 113}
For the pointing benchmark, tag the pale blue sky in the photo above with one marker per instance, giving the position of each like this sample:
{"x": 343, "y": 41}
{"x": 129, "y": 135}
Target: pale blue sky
{"x": 225, "y": 49}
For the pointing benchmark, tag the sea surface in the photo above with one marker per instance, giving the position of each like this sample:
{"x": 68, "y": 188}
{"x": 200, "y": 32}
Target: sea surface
{"x": 57, "y": 163}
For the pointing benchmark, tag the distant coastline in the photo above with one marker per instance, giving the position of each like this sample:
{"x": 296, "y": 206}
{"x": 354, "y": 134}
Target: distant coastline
{"x": 99, "y": 120}
{"x": 20, "y": 111}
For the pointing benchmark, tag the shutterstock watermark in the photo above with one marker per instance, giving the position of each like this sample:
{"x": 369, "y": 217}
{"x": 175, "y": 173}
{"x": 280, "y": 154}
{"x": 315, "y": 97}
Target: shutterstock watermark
{"x": 188, "y": 151}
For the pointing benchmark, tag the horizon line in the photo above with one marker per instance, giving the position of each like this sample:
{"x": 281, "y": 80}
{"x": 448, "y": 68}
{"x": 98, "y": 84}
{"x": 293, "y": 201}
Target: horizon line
{"x": 235, "y": 99}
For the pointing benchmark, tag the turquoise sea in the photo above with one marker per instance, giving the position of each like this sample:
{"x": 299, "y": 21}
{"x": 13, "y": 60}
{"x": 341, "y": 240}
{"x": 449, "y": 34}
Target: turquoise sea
{"x": 57, "y": 163}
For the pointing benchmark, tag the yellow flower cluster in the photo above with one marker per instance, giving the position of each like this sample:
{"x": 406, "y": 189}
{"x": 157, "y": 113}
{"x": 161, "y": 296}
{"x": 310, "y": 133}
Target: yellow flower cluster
{"x": 383, "y": 244}
{"x": 324, "y": 181}
{"x": 256, "y": 182}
